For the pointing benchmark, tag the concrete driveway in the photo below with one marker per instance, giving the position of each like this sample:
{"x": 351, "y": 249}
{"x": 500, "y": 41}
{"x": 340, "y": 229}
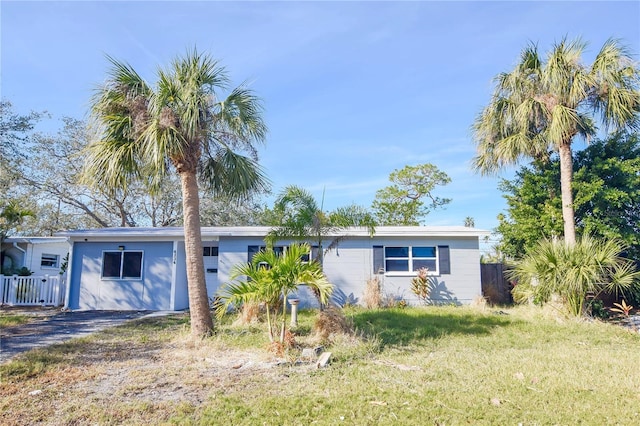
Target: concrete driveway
{"x": 57, "y": 328}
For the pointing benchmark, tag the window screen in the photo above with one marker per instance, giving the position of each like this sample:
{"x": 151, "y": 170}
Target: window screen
{"x": 122, "y": 264}
{"x": 49, "y": 260}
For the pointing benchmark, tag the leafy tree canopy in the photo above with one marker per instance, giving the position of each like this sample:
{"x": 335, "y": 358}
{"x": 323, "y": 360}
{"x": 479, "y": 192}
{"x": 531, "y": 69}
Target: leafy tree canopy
{"x": 403, "y": 202}
{"x": 607, "y": 197}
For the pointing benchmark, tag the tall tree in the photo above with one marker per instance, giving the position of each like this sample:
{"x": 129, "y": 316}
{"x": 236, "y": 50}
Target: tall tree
{"x": 607, "y": 198}
{"x": 184, "y": 124}
{"x": 402, "y": 202}
{"x": 221, "y": 211}
{"x": 542, "y": 106}
{"x": 48, "y": 176}
{"x": 15, "y": 132}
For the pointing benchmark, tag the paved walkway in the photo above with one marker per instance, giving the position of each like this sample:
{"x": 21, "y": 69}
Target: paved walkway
{"x": 58, "y": 328}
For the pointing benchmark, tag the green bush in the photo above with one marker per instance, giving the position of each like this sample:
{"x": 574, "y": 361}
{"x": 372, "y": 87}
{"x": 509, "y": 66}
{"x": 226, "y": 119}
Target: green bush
{"x": 571, "y": 271}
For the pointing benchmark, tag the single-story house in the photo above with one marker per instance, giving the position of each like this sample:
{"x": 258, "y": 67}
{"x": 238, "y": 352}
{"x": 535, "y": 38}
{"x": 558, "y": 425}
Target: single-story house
{"x": 40, "y": 255}
{"x": 144, "y": 268}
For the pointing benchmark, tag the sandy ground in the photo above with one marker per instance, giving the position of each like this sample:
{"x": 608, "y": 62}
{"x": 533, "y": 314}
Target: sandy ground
{"x": 51, "y": 326}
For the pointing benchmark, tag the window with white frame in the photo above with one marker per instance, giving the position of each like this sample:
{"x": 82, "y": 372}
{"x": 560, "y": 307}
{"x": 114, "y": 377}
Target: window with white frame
{"x": 122, "y": 264}
{"x": 49, "y": 260}
{"x": 410, "y": 259}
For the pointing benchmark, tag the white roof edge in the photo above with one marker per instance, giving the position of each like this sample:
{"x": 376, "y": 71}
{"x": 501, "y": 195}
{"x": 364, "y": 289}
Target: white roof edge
{"x": 35, "y": 240}
{"x": 261, "y": 231}
{"x": 399, "y": 231}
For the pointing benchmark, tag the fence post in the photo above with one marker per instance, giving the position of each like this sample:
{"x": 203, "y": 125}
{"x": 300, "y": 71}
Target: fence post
{"x": 45, "y": 289}
{"x": 62, "y": 289}
{"x": 13, "y": 295}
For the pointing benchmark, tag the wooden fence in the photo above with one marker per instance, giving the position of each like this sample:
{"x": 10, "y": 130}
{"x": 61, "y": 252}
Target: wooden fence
{"x": 495, "y": 287}
{"x": 44, "y": 290}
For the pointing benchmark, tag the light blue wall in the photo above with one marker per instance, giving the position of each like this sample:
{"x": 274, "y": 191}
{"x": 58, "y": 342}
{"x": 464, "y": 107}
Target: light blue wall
{"x": 181, "y": 291}
{"x": 89, "y": 291}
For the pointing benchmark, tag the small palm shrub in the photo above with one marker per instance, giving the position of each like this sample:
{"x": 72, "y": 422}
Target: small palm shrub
{"x": 571, "y": 271}
{"x": 269, "y": 279}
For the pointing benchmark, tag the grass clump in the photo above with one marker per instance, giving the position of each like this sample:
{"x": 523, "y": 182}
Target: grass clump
{"x": 8, "y": 319}
{"x": 373, "y": 293}
{"x": 330, "y": 324}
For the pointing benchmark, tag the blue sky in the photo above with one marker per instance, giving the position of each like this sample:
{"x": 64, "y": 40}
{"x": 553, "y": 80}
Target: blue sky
{"x": 352, "y": 90}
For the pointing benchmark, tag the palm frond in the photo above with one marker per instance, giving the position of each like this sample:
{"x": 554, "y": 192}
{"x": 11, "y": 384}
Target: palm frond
{"x": 239, "y": 120}
{"x": 232, "y": 175}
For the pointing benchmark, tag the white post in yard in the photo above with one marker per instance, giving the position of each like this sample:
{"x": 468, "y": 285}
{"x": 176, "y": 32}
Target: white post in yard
{"x": 294, "y": 311}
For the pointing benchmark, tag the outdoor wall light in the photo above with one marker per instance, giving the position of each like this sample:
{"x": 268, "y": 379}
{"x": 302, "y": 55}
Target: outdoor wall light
{"x": 120, "y": 248}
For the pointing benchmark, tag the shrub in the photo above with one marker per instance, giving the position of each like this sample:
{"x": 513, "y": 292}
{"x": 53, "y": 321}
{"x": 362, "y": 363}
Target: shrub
{"x": 420, "y": 285}
{"x": 373, "y": 297}
{"x": 572, "y": 271}
{"x": 330, "y": 323}
{"x": 249, "y": 313}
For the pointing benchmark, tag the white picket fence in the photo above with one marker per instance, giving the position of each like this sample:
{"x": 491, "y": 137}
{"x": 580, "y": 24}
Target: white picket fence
{"x": 44, "y": 290}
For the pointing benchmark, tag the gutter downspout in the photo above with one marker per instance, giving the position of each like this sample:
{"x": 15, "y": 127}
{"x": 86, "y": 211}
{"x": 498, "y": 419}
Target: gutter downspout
{"x": 69, "y": 273}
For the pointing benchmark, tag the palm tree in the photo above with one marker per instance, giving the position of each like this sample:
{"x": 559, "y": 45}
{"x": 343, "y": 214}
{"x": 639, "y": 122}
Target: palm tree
{"x": 270, "y": 278}
{"x": 572, "y": 271}
{"x": 299, "y": 216}
{"x": 182, "y": 123}
{"x": 543, "y": 106}
{"x": 11, "y": 216}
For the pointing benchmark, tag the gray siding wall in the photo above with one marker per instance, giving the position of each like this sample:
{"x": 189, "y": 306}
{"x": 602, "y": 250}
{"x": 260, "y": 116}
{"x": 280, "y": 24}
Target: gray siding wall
{"x": 233, "y": 251}
{"x": 89, "y": 291}
{"x": 350, "y": 265}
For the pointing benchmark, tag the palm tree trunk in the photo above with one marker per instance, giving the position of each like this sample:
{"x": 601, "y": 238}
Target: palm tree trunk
{"x": 566, "y": 176}
{"x": 201, "y": 318}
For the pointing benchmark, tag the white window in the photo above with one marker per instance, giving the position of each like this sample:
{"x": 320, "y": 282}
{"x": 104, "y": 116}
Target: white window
{"x": 410, "y": 259}
{"x": 49, "y": 261}
{"x": 122, "y": 264}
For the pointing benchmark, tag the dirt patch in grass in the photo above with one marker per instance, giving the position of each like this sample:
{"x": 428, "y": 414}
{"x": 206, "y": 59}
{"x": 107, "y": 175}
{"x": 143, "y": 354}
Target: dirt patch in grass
{"x": 125, "y": 375}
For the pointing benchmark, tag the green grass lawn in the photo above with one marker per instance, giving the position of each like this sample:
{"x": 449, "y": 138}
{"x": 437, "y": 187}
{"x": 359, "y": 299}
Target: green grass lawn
{"x": 433, "y": 365}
